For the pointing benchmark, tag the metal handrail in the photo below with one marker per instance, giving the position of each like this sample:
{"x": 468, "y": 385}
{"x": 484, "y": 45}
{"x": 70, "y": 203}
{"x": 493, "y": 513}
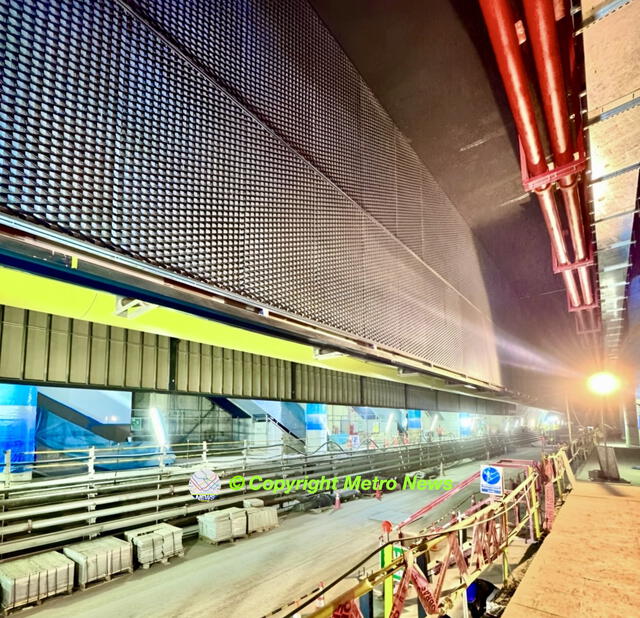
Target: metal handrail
{"x": 131, "y": 487}
{"x": 524, "y": 493}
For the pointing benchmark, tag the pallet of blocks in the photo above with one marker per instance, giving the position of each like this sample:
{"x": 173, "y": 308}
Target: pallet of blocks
{"x": 271, "y": 517}
{"x": 29, "y": 580}
{"x": 100, "y": 558}
{"x": 260, "y": 519}
{"x": 215, "y": 527}
{"x": 156, "y": 543}
{"x": 222, "y": 525}
{"x": 238, "y": 519}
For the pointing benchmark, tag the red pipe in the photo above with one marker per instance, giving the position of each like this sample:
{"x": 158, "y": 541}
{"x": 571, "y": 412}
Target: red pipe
{"x": 541, "y": 26}
{"x": 500, "y": 23}
{"x": 543, "y": 35}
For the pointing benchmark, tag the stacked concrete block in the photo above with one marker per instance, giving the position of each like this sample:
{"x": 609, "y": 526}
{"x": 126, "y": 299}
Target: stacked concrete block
{"x": 222, "y": 525}
{"x": 215, "y": 527}
{"x": 271, "y": 517}
{"x": 29, "y": 580}
{"x": 100, "y": 558}
{"x": 238, "y": 519}
{"x": 156, "y": 543}
{"x": 261, "y": 519}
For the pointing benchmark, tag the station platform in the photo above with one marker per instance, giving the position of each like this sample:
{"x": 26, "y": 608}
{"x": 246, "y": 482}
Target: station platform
{"x": 588, "y": 565}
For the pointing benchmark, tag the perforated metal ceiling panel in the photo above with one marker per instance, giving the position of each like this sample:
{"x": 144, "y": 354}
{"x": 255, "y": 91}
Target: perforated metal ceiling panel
{"x": 234, "y": 143}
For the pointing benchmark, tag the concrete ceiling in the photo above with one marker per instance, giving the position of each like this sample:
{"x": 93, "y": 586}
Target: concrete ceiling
{"x": 432, "y": 67}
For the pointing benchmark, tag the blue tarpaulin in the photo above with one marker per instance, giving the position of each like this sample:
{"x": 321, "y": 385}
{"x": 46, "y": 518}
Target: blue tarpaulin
{"x": 56, "y": 433}
{"x": 17, "y": 423}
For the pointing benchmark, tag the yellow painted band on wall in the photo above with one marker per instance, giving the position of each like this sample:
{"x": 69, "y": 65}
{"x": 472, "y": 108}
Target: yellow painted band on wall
{"x": 36, "y": 293}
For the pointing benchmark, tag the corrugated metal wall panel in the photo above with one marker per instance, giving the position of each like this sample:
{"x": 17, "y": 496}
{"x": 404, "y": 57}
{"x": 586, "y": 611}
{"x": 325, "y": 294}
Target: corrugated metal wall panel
{"x": 98, "y": 354}
{"x": 448, "y": 402}
{"x": 468, "y": 404}
{"x": 133, "y": 358}
{"x": 116, "y": 358}
{"x": 381, "y": 394}
{"x": 420, "y": 398}
{"x": 37, "y": 347}
{"x": 318, "y": 384}
{"x": 80, "y": 346}
{"x": 39, "y": 328}
{"x": 59, "y": 352}
{"x": 206, "y": 369}
{"x": 41, "y": 348}
{"x": 13, "y": 342}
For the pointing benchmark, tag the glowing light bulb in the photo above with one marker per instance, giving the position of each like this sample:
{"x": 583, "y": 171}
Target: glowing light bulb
{"x": 603, "y": 383}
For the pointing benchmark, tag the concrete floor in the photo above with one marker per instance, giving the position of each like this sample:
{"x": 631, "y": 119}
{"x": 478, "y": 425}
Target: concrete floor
{"x": 254, "y": 576}
{"x": 588, "y": 566}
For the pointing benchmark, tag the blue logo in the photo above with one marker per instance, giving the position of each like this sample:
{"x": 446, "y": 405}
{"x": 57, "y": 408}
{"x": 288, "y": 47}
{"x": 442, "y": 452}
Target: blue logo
{"x": 491, "y": 476}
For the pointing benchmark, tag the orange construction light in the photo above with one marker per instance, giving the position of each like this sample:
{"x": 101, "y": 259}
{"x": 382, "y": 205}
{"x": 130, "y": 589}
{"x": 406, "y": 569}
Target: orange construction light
{"x": 603, "y": 383}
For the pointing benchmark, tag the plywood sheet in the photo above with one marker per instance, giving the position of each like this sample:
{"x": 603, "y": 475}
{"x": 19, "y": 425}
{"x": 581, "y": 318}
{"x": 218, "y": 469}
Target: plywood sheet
{"x": 612, "y": 49}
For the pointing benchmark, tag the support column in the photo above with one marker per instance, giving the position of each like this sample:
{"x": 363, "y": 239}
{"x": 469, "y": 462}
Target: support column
{"x": 316, "y": 426}
{"x": 631, "y": 435}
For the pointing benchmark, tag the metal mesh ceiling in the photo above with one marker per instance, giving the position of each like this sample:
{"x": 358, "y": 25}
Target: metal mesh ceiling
{"x": 234, "y": 143}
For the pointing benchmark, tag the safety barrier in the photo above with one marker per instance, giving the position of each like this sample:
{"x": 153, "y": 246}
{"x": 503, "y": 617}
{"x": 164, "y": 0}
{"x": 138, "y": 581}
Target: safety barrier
{"x": 48, "y": 512}
{"x": 442, "y": 561}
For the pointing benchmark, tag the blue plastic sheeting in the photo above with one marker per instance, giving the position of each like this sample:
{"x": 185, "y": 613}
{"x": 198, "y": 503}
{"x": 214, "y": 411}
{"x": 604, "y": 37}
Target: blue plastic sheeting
{"x": 340, "y": 438}
{"x": 17, "y": 423}
{"x": 316, "y": 417}
{"x": 105, "y": 407}
{"x": 56, "y": 433}
{"x": 366, "y": 413}
{"x": 414, "y": 418}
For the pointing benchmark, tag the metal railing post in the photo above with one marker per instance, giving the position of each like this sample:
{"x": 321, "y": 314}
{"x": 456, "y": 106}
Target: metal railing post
{"x": 91, "y": 462}
{"x": 163, "y": 452}
{"x": 534, "y": 509}
{"x": 7, "y": 468}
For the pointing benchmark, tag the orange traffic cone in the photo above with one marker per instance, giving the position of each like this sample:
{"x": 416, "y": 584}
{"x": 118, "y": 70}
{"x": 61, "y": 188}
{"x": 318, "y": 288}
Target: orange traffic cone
{"x": 336, "y": 504}
{"x": 320, "y": 599}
